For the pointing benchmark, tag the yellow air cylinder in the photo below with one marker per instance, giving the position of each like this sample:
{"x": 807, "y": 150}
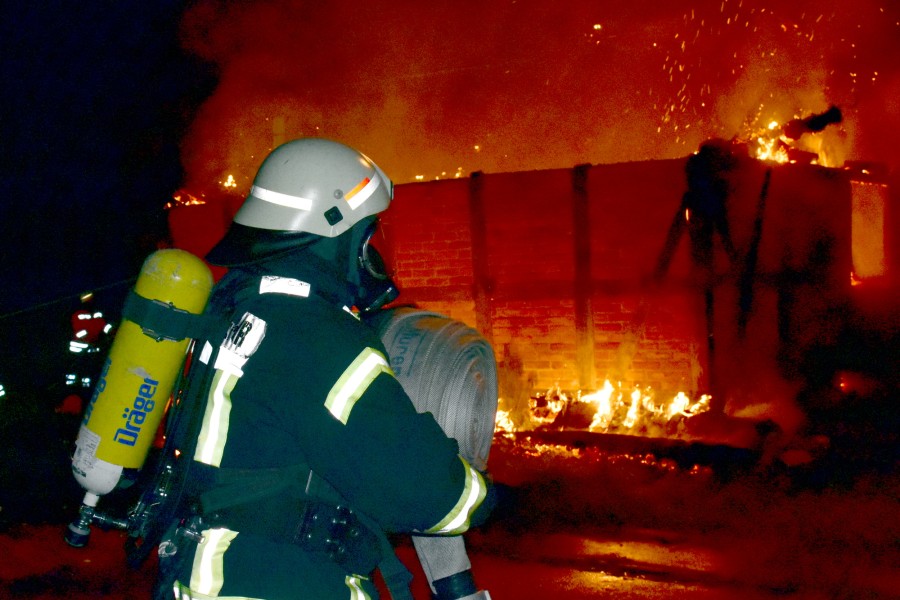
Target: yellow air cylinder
{"x": 140, "y": 372}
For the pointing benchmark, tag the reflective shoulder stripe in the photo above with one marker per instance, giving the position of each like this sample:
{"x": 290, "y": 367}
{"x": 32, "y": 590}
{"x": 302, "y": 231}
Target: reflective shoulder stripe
{"x": 354, "y": 381}
{"x": 207, "y": 575}
{"x": 214, "y": 430}
{"x": 457, "y": 520}
{"x": 356, "y": 592}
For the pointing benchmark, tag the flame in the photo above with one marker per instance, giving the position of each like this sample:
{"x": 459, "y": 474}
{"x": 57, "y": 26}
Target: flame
{"x": 771, "y": 145}
{"x": 629, "y": 410}
{"x": 503, "y": 422}
{"x": 632, "y": 415}
{"x": 183, "y": 198}
{"x": 771, "y": 150}
{"x": 603, "y": 398}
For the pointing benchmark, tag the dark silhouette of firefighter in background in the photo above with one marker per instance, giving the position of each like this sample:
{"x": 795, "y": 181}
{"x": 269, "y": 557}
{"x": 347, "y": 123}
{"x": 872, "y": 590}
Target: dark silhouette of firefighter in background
{"x": 704, "y": 208}
{"x": 703, "y": 212}
{"x": 89, "y": 342}
{"x": 704, "y": 204}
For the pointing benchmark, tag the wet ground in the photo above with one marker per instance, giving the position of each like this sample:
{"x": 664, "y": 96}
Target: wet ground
{"x": 581, "y": 520}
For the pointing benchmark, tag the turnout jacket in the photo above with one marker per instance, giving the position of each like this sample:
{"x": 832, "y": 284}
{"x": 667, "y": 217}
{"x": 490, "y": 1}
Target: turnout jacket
{"x": 297, "y": 379}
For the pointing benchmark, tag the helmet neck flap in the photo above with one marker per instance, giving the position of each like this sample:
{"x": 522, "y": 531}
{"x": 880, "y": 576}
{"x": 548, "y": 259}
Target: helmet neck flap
{"x": 244, "y": 245}
{"x": 345, "y": 269}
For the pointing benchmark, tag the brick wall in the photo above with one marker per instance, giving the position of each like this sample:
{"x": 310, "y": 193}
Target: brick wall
{"x": 558, "y": 269}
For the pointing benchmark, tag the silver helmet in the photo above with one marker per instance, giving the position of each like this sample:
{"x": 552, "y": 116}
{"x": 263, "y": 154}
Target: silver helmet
{"x": 306, "y": 189}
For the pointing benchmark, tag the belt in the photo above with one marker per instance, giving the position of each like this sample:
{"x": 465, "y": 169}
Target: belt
{"x": 334, "y": 531}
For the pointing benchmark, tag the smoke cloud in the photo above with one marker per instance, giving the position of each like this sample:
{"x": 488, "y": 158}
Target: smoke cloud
{"x": 445, "y": 88}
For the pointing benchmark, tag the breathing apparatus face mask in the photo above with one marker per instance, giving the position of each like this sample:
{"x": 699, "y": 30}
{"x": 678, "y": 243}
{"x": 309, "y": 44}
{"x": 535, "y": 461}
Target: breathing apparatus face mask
{"x": 353, "y": 263}
{"x": 375, "y": 287}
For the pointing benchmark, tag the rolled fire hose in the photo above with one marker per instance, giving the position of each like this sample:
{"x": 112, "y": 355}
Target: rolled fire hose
{"x": 448, "y": 369}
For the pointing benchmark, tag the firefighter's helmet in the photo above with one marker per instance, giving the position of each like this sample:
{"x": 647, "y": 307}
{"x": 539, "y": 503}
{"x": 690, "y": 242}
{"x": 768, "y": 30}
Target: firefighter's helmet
{"x": 305, "y": 190}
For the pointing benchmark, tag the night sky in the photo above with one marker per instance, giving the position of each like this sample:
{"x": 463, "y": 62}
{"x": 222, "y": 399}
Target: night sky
{"x": 109, "y": 107}
{"x": 97, "y": 98}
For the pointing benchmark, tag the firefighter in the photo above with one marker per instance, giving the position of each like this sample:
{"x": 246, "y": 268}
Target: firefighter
{"x": 307, "y": 451}
{"x": 90, "y": 338}
{"x": 706, "y": 199}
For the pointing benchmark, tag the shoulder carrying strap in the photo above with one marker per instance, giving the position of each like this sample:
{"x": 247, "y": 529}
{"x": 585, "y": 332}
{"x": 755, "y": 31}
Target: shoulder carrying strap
{"x": 164, "y": 321}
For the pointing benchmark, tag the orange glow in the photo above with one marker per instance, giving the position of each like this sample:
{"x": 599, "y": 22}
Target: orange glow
{"x": 771, "y": 145}
{"x": 624, "y": 410}
{"x": 183, "y": 198}
{"x": 688, "y": 72}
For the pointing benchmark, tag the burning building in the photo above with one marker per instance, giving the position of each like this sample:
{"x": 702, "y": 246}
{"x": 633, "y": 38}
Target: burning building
{"x": 590, "y": 278}
{"x": 581, "y": 274}
{"x": 616, "y": 303}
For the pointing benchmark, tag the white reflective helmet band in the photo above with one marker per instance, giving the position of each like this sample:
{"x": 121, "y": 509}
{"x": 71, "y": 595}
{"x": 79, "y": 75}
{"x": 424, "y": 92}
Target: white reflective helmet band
{"x": 272, "y": 197}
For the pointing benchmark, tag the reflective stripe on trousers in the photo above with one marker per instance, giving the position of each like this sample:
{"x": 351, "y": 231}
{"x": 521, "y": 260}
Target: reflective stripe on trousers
{"x": 208, "y": 577}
